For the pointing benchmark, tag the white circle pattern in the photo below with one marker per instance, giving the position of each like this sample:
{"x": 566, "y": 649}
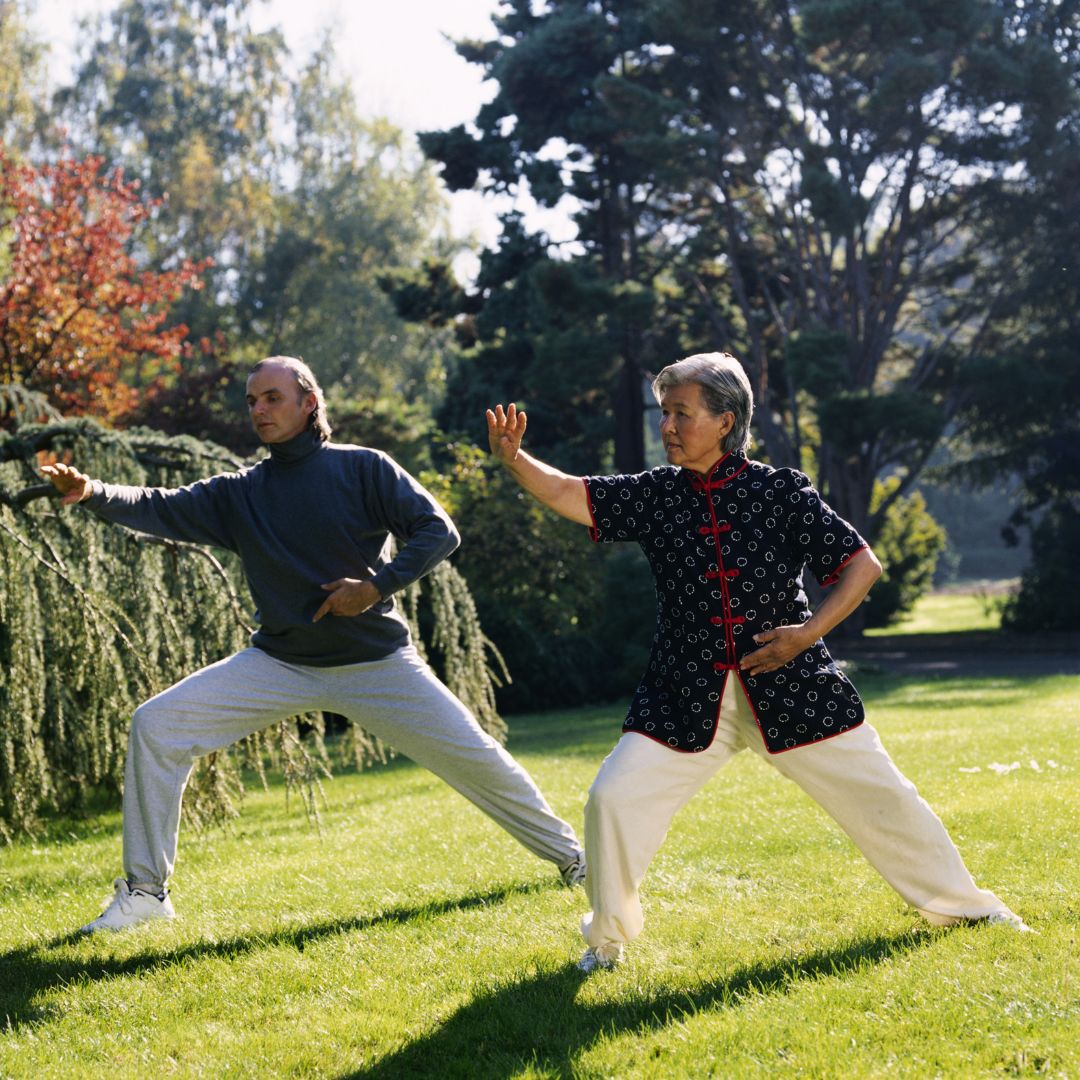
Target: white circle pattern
{"x": 727, "y": 556}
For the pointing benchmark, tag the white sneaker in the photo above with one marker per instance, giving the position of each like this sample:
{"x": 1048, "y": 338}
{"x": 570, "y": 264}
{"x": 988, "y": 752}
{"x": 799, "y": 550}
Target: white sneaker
{"x": 573, "y": 873}
{"x": 604, "y": 957}
{"x": 130, "y": 907}
{"x": 1007, "y": 918}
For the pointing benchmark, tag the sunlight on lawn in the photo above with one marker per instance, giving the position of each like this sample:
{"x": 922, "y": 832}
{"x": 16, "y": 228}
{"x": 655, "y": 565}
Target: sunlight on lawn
{"x": 950, "y": 612}
{"x": 411, "y": 938}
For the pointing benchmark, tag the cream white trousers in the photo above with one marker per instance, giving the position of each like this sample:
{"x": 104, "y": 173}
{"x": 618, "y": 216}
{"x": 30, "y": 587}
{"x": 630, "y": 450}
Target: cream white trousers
{"x": 397, "y": 698}
{"x": 642, "y": 784}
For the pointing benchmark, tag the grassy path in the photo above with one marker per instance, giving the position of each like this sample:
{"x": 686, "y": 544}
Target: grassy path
{"x": 413, "y": 939}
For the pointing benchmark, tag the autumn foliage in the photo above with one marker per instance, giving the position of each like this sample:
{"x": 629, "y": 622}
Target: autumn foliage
{"x": 80, "y": 320}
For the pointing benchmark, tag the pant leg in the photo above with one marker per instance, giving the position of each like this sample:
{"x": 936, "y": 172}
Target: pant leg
{"x": 855, "y": 781}
{"x": 640, "y": 787}
{"x": 400, "y": 700}
{"x": 209, "y": 710}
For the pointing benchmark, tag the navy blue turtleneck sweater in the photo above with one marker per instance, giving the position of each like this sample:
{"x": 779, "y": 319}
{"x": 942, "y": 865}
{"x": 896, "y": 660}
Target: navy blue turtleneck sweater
{"x": 310, "y": 513}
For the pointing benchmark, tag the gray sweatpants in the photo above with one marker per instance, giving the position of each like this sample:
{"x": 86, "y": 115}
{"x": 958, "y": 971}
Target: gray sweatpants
{"x": 397, "y": 698}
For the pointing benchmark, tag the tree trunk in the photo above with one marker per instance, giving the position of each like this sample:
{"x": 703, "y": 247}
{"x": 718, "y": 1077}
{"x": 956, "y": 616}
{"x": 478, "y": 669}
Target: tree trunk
{"x": 629, "y": 419}
{"x": 847, "y": 485}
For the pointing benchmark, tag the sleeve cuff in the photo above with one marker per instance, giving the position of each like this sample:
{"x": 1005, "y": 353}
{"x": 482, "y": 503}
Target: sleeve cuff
{"x": 594, "y": 532}
{"x": 96, "y": 496}
{"x": 834, "y": 577}
{"x": 385, "y": 583}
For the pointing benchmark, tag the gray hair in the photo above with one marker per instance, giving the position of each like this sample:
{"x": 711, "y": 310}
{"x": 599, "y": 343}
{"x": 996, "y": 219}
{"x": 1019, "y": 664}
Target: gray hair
{"x": 724, "y": 388}
{"x": 308, "y": 384}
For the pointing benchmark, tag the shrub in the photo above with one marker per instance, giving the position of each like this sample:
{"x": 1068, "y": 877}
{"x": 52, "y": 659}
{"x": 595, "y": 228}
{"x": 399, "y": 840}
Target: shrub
{"x": 539, "y": 584}
{"x": 1048, "y": 598}
{"x": 908, "y": 543}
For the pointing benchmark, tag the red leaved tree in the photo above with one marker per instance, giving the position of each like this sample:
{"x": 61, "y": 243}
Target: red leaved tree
{"x": 80, "y": 321}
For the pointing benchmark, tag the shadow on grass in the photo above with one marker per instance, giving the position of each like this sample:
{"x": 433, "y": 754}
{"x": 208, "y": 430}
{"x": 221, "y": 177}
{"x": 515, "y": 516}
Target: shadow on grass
{"x": 33, "y": 970}
{"x": 536, "y": 1022}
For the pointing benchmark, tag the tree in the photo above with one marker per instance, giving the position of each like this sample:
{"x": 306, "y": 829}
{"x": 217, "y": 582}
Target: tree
{"x": 272, "y": 172}
{"x": 359, "y": 202}
{"x": 22, "y": 79}
{"x": 576, "y": 76}
{"x": 810, "y": 185}
{"x": 79, "y": 319}
{"x": 812, "y": 178}
{"x": 1020, "y": 416}
{"x": 186, "y": 96}
{"x": 849, "y": 190}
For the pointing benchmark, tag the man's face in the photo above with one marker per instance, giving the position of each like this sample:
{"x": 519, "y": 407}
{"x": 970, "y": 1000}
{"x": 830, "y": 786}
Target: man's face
{"x": 692, "y": 435}
{"x": 278, "y": 409}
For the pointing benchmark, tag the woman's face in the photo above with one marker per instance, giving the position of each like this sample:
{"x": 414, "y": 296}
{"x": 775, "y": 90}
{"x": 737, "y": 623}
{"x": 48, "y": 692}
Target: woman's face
{"x": 691, "y": 434}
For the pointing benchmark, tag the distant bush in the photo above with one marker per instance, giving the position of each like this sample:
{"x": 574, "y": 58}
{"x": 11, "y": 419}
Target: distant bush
{"x": 908, "y": 544}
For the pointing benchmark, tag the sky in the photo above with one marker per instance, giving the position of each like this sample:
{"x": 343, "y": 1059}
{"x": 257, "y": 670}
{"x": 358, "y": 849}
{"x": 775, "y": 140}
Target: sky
{"x": 397, "y": 56}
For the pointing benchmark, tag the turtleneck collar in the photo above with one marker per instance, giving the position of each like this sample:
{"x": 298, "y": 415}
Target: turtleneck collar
{"x": 298, "y": 448}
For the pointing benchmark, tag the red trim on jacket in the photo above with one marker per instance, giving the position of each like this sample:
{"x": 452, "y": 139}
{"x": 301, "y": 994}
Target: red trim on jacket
{"x": 722, "y": 573}
{"x": 786, "y": 749}
{"x": 834, "y": 577}
{"x": 708, "y": 484}
{"x": 753, "y": 712}
{"x": 594, "y": 532}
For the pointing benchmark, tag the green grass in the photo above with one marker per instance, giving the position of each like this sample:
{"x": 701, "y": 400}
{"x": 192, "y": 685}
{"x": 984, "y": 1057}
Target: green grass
{"x": 948, "y": 612}
{"x": 413, "y": 938}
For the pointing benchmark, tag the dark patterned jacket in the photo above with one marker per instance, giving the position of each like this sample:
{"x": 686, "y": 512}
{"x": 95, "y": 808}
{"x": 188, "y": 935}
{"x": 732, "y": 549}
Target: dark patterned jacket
{"x": 727, "y": 555}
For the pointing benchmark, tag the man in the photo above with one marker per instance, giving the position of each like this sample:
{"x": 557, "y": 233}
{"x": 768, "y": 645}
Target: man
{"x": 737, "y": 659}
{"x": 312, "y": 526}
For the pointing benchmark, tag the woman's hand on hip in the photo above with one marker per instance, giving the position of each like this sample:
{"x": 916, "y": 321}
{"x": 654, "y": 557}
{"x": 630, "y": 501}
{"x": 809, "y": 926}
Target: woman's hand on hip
{"x": 779, "y": 646}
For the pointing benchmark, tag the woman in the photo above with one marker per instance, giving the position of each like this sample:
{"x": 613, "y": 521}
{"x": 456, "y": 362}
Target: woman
{"x": 737, "y": 658}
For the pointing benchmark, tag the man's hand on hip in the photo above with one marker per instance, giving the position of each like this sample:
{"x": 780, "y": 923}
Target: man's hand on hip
{"x": 348, "y": 596}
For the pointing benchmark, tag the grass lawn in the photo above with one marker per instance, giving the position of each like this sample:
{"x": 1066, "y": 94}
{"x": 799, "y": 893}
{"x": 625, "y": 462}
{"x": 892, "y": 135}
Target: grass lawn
{"x": 414, "y": 939}
{"x": 949, "y": 612}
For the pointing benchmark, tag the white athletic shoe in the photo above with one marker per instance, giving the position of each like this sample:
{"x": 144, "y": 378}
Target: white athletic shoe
{"x": 1007, "y": 918}
{"x": 604, "y": 957}
{"x": 573, "y": 873}
{"x": 130, "y": 907}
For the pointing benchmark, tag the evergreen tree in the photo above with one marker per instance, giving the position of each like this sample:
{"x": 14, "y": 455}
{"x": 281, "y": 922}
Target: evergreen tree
{"x": 1020, "y": 413}
{"x": 810, "y": 185}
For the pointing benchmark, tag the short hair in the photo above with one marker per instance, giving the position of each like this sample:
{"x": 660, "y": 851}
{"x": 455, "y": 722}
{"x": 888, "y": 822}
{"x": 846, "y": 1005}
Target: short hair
{"x": 724, "y": 388}
{"x": 307, "y": 384}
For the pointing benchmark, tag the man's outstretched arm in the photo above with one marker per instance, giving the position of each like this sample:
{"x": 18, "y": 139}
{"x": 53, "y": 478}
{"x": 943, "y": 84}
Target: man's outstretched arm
{"x": 192, "y": 514}
{"x": 558, "y": 491}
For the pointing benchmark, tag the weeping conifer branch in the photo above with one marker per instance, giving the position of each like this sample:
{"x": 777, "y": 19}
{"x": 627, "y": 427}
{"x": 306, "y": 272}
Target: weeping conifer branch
{"x": 95, "y": 618}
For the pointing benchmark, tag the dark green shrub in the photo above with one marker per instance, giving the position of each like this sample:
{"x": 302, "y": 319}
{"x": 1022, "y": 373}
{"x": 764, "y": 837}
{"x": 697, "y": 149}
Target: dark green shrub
{"x": 1048, "y": 598}
{"x": 908, "y": 543}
